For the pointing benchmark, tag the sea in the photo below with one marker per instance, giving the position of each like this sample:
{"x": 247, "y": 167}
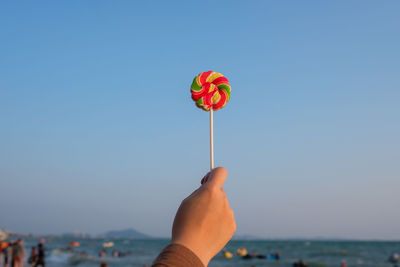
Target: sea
{"x": 142, "y": 252}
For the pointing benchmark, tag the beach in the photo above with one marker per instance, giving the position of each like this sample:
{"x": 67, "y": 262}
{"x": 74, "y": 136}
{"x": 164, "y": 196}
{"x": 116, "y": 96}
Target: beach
{"x": 142, "y": 252}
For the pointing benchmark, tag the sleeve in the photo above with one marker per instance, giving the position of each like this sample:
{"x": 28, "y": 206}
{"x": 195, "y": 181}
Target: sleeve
{"x": 175, "y": 255}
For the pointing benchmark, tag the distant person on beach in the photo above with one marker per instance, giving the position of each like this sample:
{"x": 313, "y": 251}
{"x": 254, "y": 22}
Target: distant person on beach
{"x": 102, "y": 253}
{"x": 203, "y": 224}
{"x": 343, "y": 263}
{"x": 277, "y": 256}
{"x": 3, "y": 245}
{"x": 33, "y": 257}
{"x": 41, "y": 256}
{"x": 5, "y": 254}
{"x": 11, "y": 252}
{"x": 18, "y": 254}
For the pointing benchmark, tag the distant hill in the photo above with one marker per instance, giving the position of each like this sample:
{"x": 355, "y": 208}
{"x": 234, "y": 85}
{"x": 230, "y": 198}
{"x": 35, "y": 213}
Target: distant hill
{"x": 75, "y": 235}
{"x": 127, "y": 233}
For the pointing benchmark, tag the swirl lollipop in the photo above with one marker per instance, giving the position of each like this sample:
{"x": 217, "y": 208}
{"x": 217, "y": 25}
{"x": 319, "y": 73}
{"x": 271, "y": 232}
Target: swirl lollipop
{"x": 210, "y": 91}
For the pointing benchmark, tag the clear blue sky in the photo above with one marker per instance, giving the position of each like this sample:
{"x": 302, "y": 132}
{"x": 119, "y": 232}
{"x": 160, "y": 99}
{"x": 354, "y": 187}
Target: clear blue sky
{"x": 98, "y": 131}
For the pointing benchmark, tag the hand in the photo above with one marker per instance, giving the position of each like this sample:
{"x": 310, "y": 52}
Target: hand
{"x": 204, "y": 222}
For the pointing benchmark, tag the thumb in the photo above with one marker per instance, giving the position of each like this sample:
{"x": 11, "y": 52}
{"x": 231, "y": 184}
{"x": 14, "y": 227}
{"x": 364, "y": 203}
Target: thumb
{"x": 217, "y": 177}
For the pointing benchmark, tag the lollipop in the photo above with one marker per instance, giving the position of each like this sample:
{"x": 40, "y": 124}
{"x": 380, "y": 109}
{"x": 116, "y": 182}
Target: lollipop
{"x": 210, "y": 91}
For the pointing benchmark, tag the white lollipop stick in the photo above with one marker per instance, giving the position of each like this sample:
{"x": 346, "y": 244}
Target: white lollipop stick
{"x": 211, "y": 140}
